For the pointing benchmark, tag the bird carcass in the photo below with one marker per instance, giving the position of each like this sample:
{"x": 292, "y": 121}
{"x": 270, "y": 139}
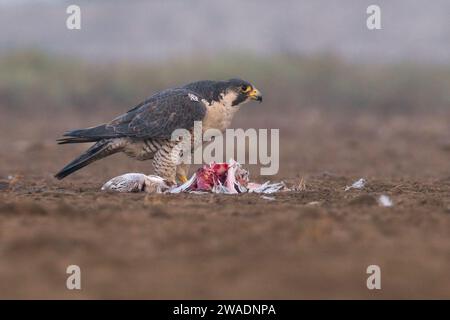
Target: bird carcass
{"x": 226, "y": 178}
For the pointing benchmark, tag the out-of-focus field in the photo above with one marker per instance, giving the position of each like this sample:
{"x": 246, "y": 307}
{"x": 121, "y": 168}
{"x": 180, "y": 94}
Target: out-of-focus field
{"x": 338, "y": 122}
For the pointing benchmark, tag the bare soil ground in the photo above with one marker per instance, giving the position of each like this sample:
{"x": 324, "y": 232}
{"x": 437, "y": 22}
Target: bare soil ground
{"x": 315, "y": 243}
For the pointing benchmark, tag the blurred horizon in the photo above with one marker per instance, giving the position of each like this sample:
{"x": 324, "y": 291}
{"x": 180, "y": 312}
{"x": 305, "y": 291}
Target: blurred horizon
{"x": 57, "y": 83}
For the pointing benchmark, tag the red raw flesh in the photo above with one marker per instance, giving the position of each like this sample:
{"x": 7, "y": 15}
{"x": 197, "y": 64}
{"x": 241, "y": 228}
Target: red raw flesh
{"x": 211, "y": 175}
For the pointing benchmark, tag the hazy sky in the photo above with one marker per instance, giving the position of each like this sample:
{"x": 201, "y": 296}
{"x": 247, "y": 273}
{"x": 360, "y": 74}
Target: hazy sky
{"x": 159, "y": 29}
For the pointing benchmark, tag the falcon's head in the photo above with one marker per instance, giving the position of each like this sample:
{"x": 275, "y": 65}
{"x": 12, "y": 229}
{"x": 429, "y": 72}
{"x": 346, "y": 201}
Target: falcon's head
{"x": 239, "y": 91}
{"x": 233, "y": 92}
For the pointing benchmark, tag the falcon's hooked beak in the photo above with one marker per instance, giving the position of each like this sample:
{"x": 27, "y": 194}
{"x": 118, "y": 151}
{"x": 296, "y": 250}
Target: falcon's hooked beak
{"x": 255, "y": 95}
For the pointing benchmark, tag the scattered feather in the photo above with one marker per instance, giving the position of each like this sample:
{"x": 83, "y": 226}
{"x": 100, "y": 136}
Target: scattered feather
{"x": 385, "y": 201}
{"x": 357, "y": 185}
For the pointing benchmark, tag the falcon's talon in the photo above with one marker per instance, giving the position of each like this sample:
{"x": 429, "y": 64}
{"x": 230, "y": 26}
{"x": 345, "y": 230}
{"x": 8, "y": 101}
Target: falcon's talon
{"x": 183, "y": 179}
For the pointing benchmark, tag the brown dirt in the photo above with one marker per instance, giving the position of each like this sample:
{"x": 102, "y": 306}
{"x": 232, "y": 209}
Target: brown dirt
{"x": 315, "y": 243}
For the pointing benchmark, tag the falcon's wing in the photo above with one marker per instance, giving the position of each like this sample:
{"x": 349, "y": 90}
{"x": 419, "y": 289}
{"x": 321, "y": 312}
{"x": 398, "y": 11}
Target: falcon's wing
{"x": 157, "y": 117}
{"x": 160, "y": 116}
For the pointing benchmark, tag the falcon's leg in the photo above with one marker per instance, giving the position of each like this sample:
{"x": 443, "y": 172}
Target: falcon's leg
{"x": 166, "y": 160}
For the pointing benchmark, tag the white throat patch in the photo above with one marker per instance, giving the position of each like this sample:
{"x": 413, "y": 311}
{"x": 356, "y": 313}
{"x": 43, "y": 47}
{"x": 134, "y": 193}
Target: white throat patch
{"x": 219, "y": 114}
{"x": 228, "y": 98}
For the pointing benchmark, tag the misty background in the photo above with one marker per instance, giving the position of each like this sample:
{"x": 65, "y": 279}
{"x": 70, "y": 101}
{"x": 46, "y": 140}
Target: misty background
{"x": 412, "y": 30}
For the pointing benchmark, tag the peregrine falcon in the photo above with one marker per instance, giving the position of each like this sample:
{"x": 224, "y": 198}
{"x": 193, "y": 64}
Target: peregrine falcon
{"x": 145, "y": 131}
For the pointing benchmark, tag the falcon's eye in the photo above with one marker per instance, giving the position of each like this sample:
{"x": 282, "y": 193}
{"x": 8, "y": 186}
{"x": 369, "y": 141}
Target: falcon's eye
{"x": 245, "y": 88}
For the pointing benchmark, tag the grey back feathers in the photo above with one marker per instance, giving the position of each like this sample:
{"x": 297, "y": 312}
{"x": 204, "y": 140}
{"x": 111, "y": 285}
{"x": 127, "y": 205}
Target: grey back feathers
{"x": 158, "y": 117}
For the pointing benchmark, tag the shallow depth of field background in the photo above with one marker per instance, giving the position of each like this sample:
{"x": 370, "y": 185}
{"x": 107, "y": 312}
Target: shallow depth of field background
{"x": 349, "y": 103}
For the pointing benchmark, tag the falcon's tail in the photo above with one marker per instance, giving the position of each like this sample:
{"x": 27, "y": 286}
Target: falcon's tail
{"x": 85, "y": 135}
{"x": 98, "y": 151}
{"x": 65, "y": 140}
